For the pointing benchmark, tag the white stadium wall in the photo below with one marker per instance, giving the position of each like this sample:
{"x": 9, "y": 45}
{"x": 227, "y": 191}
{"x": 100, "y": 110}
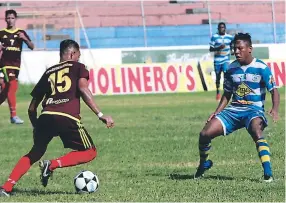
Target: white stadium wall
{"x": 110, "y": 76}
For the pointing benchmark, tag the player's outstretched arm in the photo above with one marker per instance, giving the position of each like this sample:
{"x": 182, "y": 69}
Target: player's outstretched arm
{"x": 32, "y": 111}
{"x": 223, "y": 101}
{"x": 1, "y": 49}
{"x": 212, "y": 49}
{"x": 275, "y": 104}
{"x": 88, "y": 99}
{"x": 222, "y": 104}
{"x": 26, "y": 39}
{"x": 30, "y": 44}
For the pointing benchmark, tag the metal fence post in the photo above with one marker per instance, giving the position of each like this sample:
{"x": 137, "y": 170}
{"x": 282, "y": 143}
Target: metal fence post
{"x": 273, "y": 21}
{"x": 210, "y": 18}
{"x": 144, "y": 23}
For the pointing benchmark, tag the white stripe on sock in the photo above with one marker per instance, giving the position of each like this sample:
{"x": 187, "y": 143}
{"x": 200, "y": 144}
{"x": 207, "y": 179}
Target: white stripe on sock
{"x": 60, "y": 163}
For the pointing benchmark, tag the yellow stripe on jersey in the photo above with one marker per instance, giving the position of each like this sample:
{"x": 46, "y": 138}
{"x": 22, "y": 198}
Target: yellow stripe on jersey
{"x": 61, "y": 114}
{"x": 11, "y": 31}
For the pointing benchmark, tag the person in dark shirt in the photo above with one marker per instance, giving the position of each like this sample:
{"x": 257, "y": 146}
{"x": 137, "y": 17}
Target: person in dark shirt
{"x": 11, "y": 42}
{"x": 60, "y": 90}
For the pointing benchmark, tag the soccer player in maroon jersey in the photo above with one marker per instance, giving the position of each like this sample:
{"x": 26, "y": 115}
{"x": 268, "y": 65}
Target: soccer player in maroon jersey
{"x": 11, "y": 41}
{"x": 60, "y": 88}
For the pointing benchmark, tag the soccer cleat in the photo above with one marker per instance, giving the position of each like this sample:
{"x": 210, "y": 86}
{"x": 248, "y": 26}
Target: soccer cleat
{"x": 267, "y": 178}
{"x": 16, "y": 120}
{"x": 217, "y": 97}
{"x": 203, "y": 168}
{"x": 3, "y": 193}
{"x": 46, "y": 173}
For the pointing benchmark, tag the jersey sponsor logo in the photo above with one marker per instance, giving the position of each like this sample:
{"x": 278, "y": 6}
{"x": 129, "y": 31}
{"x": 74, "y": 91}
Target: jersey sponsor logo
{"x": 256, "y": 78}
{"x": 59, "y": 101}
{"x": 59, "y": 67}
{"x": 15, "y": 36}
{"x": 5, "y": 36}
{"x": 244, "y": 102}
{"x": 243, "y": 90}
{"x": 242, "y": 77}
{"x": 13, "y": 49}
{"x": 221, "y": 53}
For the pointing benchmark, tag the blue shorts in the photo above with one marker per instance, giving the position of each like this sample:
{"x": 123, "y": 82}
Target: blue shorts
{"x": 233, "y": 118}
{"x": 221, "y": 67}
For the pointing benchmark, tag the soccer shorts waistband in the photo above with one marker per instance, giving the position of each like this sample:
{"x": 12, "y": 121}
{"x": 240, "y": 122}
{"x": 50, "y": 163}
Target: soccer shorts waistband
{"x": 10, "y": 67}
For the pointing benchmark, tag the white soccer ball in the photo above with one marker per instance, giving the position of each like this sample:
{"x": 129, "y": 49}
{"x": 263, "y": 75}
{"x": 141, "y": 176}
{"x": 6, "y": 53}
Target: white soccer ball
{"x": 86, "y": 182}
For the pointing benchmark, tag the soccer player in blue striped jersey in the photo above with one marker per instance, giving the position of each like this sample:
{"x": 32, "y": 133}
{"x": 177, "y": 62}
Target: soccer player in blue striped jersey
{"x": 220, "y": 45}
{"x": 246, "y": 81}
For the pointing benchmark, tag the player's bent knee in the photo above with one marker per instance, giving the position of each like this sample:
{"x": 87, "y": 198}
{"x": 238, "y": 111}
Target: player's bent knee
{"x": 211, "y": 130}
{"x": 256, "y": 127}
{"x": 204, "y": 134}
{"x": 91, "y": 153}
{"x": 36, "y": 154}
{"x": 256, "y": 135}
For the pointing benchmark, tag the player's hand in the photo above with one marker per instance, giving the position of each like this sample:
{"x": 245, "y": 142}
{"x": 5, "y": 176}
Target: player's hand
{"x": 274, "y": 114}
{"x": 108, "y": 121}
{"x": 211, "y": 117}
{"x": 22, "y": 36}
{"x": 221, "y": 46}
{"x": 1, "y": 46}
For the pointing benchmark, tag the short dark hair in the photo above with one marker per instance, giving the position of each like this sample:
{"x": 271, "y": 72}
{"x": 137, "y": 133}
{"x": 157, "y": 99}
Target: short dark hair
{"x": 243, "y": 36}
{"x": 67, "y": 44}
{"x": 221, "y": 23}
{"x": 11, "y": 11}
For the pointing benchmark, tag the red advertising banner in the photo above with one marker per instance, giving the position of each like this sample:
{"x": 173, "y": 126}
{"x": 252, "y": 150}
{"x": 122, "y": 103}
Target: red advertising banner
{"x": 145, "y": 78}
{"x": 163, "y": 78}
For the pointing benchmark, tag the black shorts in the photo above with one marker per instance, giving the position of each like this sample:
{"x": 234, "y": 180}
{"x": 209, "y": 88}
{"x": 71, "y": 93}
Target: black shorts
{"x": 9, "y": 74}
{"x": 71, "y": 132}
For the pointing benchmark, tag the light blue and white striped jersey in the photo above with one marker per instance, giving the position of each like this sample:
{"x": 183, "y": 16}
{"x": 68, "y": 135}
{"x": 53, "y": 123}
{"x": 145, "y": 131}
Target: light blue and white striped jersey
{"x": 222, "y": 56}
{"x": 248, "y": 84}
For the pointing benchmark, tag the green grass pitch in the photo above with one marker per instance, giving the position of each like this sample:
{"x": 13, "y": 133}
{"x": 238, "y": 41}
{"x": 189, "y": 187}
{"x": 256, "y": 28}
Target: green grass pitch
{"x": 151, "y": 154}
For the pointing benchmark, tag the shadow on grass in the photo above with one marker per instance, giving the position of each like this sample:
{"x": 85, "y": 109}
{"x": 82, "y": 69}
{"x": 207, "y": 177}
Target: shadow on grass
{"x": 33, "y": 192}
{"x": 236, "y": 178}
{"x": 176, "y": 176}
